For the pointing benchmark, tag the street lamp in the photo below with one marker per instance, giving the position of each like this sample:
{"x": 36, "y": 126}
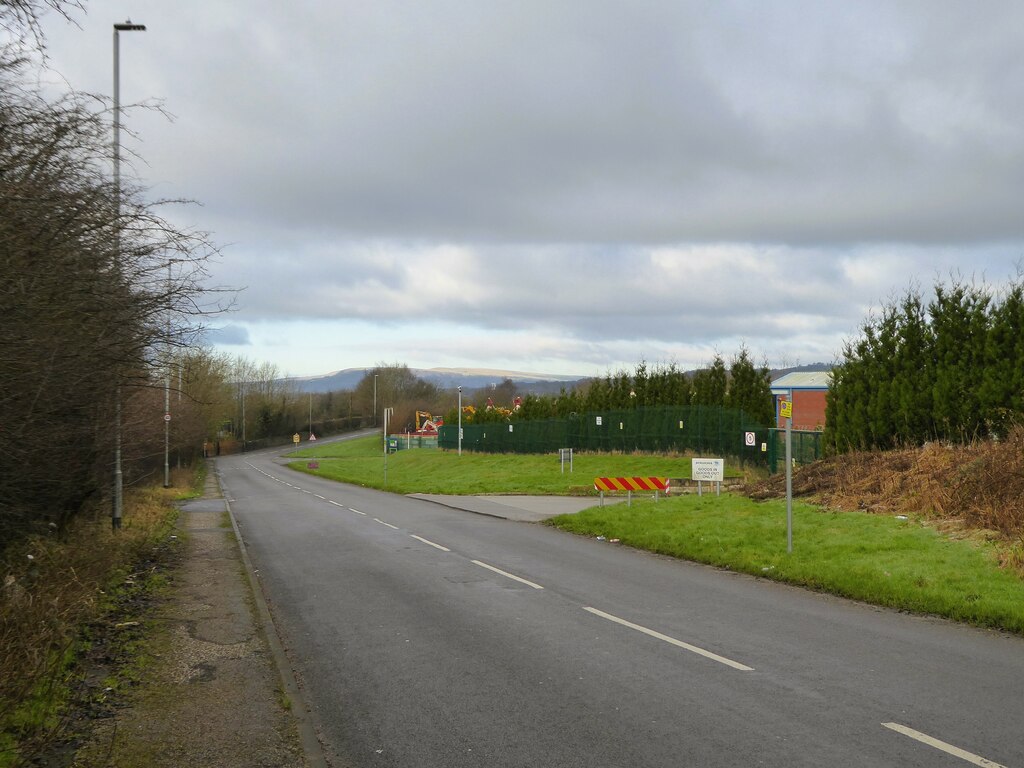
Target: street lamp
{"x": 118, "y": 476}
{"x": 375, "y": 399}
{"x": 460, "y": 421}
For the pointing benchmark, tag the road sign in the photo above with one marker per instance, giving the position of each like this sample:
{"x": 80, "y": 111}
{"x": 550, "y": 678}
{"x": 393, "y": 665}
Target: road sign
{"x": 708, "y": 470}
{"x": 167, "y": 417}
{"x": 296, "y": 438}
{"x": 750, "y": 439}
{"x": 312, "y": 437}
{"x": 786, "y": 409}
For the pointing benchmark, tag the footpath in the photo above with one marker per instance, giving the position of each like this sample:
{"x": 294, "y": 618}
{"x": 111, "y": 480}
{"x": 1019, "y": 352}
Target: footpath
{"x": 214, "y": 694}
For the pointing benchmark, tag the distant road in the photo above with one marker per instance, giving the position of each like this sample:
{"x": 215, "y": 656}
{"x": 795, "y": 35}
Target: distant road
{"x": 426, "y": 636}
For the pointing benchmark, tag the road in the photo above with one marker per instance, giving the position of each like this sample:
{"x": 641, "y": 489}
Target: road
{"x": 428, "y": 636}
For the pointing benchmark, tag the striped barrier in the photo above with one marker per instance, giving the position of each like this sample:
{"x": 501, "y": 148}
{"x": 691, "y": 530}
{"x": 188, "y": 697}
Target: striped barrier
{"x": 630, "y": 484}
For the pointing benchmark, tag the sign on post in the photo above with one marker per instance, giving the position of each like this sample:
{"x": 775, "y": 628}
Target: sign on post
{"x": 296, "y": 438}
{"x": 707, "y": 471}
{"x": 786, "y": 409}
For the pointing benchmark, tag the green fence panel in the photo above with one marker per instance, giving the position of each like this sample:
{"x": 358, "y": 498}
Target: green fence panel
{"x": 703, "y": 430}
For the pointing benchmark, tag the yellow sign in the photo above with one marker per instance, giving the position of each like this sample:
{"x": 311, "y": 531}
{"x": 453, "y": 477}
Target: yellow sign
{"x": 296, "y": 438}
{"x": 786, "y": 409}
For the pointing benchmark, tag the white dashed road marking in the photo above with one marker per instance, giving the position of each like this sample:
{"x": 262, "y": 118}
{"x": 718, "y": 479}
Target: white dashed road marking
{"x": 507, "y": 575}
{"x": 672, "y": 640}
{"x": 949, "y": 749}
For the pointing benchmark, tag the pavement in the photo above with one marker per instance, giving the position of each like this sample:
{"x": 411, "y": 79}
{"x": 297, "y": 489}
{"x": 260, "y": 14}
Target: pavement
{"x": 215, "y": 692}
{"x": 220, "y": 690}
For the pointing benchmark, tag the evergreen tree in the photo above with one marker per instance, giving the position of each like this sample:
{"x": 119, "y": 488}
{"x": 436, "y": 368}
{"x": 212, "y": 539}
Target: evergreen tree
{"x": 1002, "y": 387}
{"x": 959, "y": 319}
{"x": 750, "y": 389}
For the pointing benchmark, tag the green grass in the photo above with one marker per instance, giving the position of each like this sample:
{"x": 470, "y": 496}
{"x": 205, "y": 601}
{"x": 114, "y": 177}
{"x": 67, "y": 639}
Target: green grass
{"x": 361, "y": 462}
{"x": 878, "y": 559}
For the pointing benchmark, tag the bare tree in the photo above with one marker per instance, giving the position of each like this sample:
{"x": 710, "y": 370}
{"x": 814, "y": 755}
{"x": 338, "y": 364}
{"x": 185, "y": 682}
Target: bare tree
{"x": 92, "y": 294}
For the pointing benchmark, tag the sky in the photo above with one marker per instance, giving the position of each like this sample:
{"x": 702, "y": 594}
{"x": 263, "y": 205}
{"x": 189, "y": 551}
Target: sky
{"x": 568, "y": 187}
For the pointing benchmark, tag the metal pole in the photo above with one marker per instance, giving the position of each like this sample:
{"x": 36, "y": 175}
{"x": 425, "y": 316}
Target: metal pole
{"x": 118, "y": 474}
{"x": 460, "y": 421}
{"x": 789, "y": 484}
{"x": 310, "y": 414}
{"x": 375, "y": 399}
{"x": 167, "y": 388}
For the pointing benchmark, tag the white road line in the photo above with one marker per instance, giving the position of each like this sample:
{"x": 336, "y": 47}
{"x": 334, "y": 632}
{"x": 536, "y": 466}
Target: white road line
{"x": 320, "y": 497}
{"x": 357, "y": 511}
{"x": 672, "y": 640}
{"x": 335, "y": 503}
{"x": 427, "y": 541}
{"x": 508, "y": 575}
{"x": 949, "y": 749}
{"x": 389, "y": 525}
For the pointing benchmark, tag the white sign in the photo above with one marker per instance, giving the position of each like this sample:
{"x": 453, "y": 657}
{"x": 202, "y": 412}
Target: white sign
{"x": 750, "y": 438}
{"x": 599, "y": 420}
{"x": 708, "y": 470}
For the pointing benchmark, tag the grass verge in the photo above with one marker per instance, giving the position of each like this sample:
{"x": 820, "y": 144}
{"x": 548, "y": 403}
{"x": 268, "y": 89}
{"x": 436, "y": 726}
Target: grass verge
{"x": 72, "y": 618}
{"x": 902, "y": 564}
{"x": 361, "y": 462}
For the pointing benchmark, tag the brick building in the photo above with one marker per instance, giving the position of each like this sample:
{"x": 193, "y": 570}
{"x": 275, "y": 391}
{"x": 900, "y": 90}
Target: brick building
{"x": 806, "y": 390}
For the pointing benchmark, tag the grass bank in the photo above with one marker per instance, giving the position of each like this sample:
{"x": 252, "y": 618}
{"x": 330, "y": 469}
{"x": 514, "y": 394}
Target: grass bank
{"x": 71, "y": 608}
{"x": 361, "y": 462}
{"x": 899, "y": 563}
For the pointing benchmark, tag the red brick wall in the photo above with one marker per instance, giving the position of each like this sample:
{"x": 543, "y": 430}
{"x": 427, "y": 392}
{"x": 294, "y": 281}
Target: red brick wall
{"x": 808, "y": 409}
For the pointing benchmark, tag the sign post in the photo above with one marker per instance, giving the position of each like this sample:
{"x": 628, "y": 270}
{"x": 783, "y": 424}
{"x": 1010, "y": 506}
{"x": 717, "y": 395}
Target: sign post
{"x": 786, "y": 409}
{"x": 707, "y": 470}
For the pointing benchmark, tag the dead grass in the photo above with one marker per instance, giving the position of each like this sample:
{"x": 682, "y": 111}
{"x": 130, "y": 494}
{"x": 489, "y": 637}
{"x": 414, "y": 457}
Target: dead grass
{"x": 968, "y": 491}
{"x": 50, "y": 590}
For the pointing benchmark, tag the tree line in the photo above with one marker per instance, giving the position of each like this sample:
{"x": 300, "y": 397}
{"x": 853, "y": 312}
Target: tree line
{"x": 950, "y": 368}
{"x": 742, "y": 385}
{"x": 98, "y": 292}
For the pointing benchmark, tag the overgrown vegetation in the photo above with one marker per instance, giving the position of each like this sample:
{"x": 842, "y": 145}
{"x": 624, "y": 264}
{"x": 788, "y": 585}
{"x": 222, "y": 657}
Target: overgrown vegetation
{"x": 949, "y": 370}
{"x": 977, "y": 487}
{"x": 72, "y": 601}
{"x": 96, "y": 289}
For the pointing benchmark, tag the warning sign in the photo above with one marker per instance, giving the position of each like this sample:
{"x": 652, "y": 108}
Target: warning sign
{"x": 786, "y": 409}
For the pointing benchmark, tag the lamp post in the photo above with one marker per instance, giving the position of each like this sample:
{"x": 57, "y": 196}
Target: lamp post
{"x": 460, "y": 421}
{"x": 167, "y": 388}
{"x": 375, "y": 399}
{"x": 118, "y": 475}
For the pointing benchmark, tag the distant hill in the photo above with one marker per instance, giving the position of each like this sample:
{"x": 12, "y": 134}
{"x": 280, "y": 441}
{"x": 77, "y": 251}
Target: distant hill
{"x": 445, "y": 378}
{"x": 471, "y": 379}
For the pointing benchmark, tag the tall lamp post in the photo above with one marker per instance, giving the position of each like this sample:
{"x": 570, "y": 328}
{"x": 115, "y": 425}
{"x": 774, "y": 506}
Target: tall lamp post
{"x": 460, "y": 421}
{"x": 118, "y": 476}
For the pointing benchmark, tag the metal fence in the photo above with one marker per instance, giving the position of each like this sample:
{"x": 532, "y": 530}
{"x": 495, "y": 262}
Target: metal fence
{"x": 706, "y": 430}
{"x": 702, "y": 430}
{"x": 807, "y": 447}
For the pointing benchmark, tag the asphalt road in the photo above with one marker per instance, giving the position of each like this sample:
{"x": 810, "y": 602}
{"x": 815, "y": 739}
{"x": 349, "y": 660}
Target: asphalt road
{"x": 428, "y": 636}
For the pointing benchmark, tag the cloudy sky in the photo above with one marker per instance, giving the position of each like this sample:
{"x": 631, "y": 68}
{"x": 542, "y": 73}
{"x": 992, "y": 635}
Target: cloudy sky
{"x": 570, "y": 186}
